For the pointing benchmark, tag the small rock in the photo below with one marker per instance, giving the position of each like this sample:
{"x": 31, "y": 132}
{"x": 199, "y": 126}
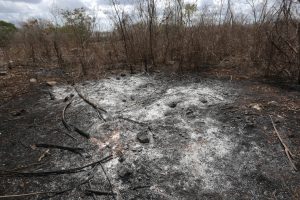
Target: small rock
{"x": 143, "y": 137}
{"x": 204, "y": 101}
{"x": 66, "y": 99}
{"x": 172, "y": 105}
{"x": 132, "y": 98}
{"x": 256, "y": 107}
{"x": 189, "y": 111}
{"x": 124, "y": 100}
{"x": 279, "y": 119}
{"x": 3, "y": 73}
{"x": 124, "y": 170}
{"x": 18, "y": 113}
{"x": 137, "y": 148}
{"x": 33, "y": 80}
{"x": 123, "y": 75}
{"x": 118, "y": 78}
{"x": 51, "y": 83}
{"x": 121, "y": 158}
{"x": 273, "y": 103}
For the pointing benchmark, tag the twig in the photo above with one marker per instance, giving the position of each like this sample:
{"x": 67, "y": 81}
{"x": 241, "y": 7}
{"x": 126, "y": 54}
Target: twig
{"x": 50, "y": 192}
{"x": 72, "y": 149}
{"x": 68, "y": 127}
{"x": 94, "y": 196}
{"x": 287, "y": 151}
{"x": 132, "y": 121}
{"x": 96, "y": 192}
{"x": 28, "y": 194}
{"x": 52, "y": 97}
{"x": 110, "y": 185}
{"x": 141, "y": 187}
{"x": 56, "y": 172}
{"x": 28, "y": 166}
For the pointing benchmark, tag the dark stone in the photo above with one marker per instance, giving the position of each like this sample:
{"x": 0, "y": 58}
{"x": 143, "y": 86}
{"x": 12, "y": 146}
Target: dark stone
{"x": 3, "y": 73}
{"x": 118, "y": 78}
{"x": 18, "y": 113}
{"x": 124, "y": 170}
{"x": 121, "y": 158}
{"x": 123, "y": 75}
{"x": 172, "y": 105}
{"x": 124, "y": 100}
{"x": 204, "y": 101}
{"x": 143, "y": 137}
{"x": 189, "y": 111}
{"x": 66, "y": 99}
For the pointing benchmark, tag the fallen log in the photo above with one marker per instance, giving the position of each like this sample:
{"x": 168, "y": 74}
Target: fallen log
{"x": 57, "y": 172}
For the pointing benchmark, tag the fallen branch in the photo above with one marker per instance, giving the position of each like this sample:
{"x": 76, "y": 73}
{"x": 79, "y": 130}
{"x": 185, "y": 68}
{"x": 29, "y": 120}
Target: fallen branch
{"x": 287, "y": 151}
{"x": 96, "y": 192}
{"x": 72, "y": 149}
{"x": 132, "y": 121}
{"x": 56, "y": 172}
{"x": 25, "y": 195}
{"x": 68, "y": 127}
{"x": 50, "y": 192}
{"x": 81, "y": 132}
{"x": 97, "y": 108}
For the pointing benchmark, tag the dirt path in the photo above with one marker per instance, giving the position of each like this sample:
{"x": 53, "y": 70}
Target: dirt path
{"x": 171, "y": 138}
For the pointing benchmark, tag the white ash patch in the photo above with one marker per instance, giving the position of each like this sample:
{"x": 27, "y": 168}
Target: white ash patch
{"x": 184, "y": 97}
{"x": 124, "y": 96}
{"x": 203, "y": 152}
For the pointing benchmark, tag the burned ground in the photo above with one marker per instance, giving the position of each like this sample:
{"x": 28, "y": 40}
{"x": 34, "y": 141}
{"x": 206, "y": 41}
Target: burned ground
{"x": 189, "y": 137}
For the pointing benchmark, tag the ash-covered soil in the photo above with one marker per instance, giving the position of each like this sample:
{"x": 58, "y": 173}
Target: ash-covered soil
{"x": 170, "y": 138}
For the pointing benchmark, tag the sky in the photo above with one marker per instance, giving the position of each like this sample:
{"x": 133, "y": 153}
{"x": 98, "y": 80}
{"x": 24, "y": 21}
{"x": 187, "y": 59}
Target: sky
{"x": 17, "y": 11}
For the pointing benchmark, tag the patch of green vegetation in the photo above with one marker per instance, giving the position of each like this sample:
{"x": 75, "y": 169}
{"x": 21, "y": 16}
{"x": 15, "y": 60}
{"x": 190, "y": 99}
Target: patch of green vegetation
{"x": 7, "y": 31}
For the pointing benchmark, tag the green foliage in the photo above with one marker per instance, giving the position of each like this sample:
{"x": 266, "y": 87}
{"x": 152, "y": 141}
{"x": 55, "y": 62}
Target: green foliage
{"x": 7, "y": 31}
{"x": 79, "y": 24}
